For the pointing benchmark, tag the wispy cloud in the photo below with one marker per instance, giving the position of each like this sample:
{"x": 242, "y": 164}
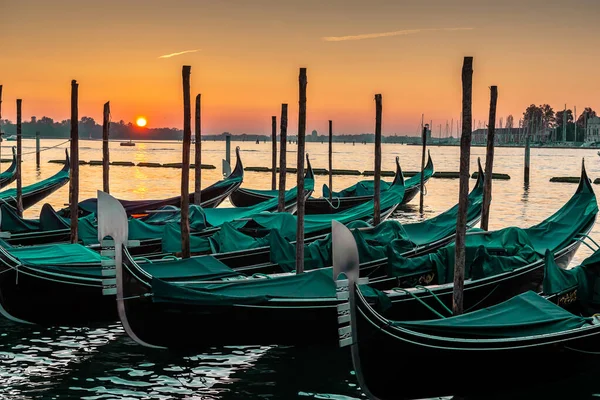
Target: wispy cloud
{"x": 178, "y": 54}
{"x": 385, "y": 34}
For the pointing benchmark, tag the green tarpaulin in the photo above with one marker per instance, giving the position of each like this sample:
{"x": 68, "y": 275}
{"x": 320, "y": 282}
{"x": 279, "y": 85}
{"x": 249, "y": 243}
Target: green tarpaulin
{"x": 316, "y": 284}
{"x": 55, "y": 254}
{"x": 527, "y": 314}
{"x": 11, "y": 222}
{"x": 490, "y": 253}
{"x": 284, "y": 223}
{"x": 367, "y": 187}
{"x": 61, "y": 176}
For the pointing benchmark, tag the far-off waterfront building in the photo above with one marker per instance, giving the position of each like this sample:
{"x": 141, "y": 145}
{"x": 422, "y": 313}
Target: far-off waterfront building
{"x": 592, "y": 133}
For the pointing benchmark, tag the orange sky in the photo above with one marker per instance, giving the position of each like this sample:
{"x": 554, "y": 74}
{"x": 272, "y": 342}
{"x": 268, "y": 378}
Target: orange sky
{"x": 249, "y": 52}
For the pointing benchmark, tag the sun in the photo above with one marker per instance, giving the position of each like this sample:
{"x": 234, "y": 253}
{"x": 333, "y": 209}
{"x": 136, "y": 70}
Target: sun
{"x": 141, "y": 121}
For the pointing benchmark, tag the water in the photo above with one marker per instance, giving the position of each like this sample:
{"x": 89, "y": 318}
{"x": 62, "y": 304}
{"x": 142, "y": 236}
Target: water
{"x": 101, "y": 362}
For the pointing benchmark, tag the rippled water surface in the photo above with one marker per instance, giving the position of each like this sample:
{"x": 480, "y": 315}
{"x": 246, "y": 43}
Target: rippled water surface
{"x": 101, "y": 362}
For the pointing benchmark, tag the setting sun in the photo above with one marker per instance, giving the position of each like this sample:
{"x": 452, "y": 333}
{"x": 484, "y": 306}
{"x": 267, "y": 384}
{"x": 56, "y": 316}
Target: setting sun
{"x": 141, "y": 121}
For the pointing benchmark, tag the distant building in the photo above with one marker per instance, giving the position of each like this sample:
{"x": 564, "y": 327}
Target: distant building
{"x": 592, "y": 133}
{"x": 314, "y": 134}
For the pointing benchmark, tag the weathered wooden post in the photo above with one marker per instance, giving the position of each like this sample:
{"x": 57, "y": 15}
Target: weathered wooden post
{"x": 463, "y": 192}
{"x": 527, "y": 155}
{"x": 282, "y": 160}
{"x": 185, "y": 164}
{"x": 198, "y": 155}
{"x": 274, "y": 152}
{"x": 300, "y": 172}
{"x": 422, "y": 189}
{"x": 74, "y": 180}
{"x": 37, "y": 149}
{"x": 105, "y": 151}
{"x": 228, "y": 148}
{"x": 330, "y": 159}
{"x": 489, "y": 160}
{"x": 19, "y": 155}
{"x": 377, "y": 172}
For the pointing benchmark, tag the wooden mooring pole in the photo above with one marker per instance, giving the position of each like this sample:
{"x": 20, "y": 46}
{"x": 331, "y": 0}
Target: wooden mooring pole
{"x": 74, "y": 180}
{"x": 422, "y": 189}
{"x": 377, "y": 169}
{"x": 282, "y": 160}
{"x": 300, "y": 172}
{"x": 105, "y": 150}
{"x": 489, "y": 160}
{"x": 273, "y": 152}
{"x": 198, "y": 155}
{"x": 185, "y": 163}
{"x": 463, "y": 192}
{"x": 330, "y": 160}
{"x": 37, "y": 149}
{"x": 526, "y": 169}
{"x": 19, "y": 155}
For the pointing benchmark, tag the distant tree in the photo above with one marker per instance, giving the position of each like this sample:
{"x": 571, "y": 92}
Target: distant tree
{"x": 547, "y": 116}
{"x": 46, "y": 121}
{"x": 533, "y": 114}
{"x": 559, "y": 117}
{"x": 510, "y": 121}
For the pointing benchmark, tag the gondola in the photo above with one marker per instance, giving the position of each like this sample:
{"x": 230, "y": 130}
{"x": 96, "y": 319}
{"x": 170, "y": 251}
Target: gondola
{"x": 183, "y": 307}
{"x": 525, "y": 342}
{"x": 7, "y": 177}
{"x": 211, "y": 196}
{"x": 38, "y": 191}
{"x": 76, "y": 275}
{"x": 51, "y": 227}
{"x": 243, "y": 197}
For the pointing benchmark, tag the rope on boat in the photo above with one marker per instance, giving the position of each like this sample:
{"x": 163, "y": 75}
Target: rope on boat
{"x": 592, "y": 240}
{"x": 331, "y": 204}
{"x": 434, "y": 296}
{"x": 480, "y": 301}
{"x": 397, "y": 289}
{"x": 582, "y": 351}
{"x": 47, "y": 148}
{"x": 136, "y": 297}
{"x": 590, "y": 247}
{"x": 423, "y": 189}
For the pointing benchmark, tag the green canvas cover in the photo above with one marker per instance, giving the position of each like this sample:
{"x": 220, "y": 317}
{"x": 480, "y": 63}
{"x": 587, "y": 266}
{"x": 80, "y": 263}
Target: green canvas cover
{"x": 204, "y": 268}
{"x": 527, "y": 314}
{"x": 229, "y": 239}
{"x": 584, "y": 277}
{"x": 371, "y": 245}
{"x": 171, "y": 240}
{"x": 309, "y": 185}
{"x": 519, "y": 246}
{"x": 12, "y": 168}
{"x": 60, "y": 176}
{"x": 55, "y": 254}
{"x": 12, "y": 222}
{"x": 486, "y": 254}
{"x": 559, "y": 229}
{"x": 285, "y": 223}
{"x": 316, "y": 284}
{"x": 367, "y": 187}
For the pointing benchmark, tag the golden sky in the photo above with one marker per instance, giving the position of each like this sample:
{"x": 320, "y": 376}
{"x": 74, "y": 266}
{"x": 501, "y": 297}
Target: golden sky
{"x": 246, "y": 54}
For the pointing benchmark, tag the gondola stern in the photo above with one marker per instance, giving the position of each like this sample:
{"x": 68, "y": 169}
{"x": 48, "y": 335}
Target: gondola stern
{"x": 67, "y": 165}
{"x": 585, "y": 183}
{"x": 480, "y": 175}
{"x": 399, "y": 178}
{"x": 238, "y": 171}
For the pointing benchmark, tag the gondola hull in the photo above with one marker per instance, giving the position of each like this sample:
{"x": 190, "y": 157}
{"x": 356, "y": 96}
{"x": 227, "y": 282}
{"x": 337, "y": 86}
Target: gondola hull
{"x": 39, "y": 297}
{"x": 476, "y": 294}
{"x": 461, "y": 370}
